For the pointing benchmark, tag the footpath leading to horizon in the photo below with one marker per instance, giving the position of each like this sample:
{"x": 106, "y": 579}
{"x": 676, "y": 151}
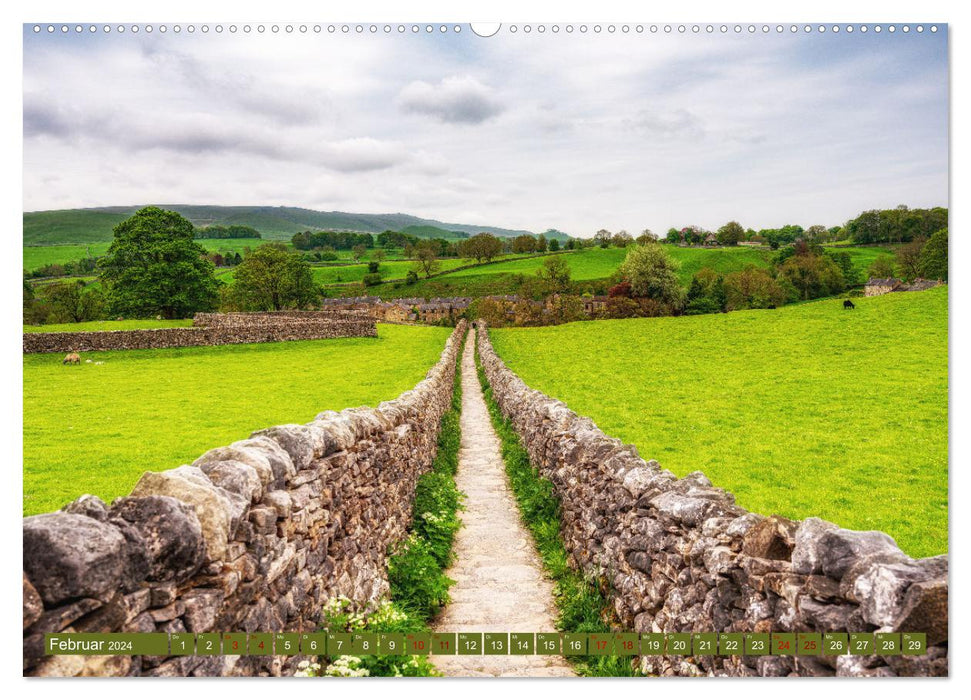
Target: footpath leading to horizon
{"x": 499, "y": 581}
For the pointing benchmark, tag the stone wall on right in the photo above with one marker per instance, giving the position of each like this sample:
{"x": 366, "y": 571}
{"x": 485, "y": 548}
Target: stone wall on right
{"x": 678, "y": 555}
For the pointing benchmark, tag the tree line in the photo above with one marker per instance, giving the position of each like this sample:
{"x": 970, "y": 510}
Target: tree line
{"x": 234, "y": 231}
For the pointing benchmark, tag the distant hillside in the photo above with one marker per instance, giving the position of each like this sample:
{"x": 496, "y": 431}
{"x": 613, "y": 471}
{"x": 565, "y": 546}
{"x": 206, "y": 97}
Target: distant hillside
{"x": 67, "y": 226}
{"x": 551, "y": 233}
{"x": 432, "y": 232}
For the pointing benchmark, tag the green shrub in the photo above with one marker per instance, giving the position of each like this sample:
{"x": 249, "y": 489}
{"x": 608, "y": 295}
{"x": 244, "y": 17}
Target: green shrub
{"x": 372, "y": 279}
{"x": 416, "y": 578}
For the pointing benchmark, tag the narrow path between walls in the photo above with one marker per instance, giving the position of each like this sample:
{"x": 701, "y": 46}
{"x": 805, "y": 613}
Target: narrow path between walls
{"x": 499, "y": 580}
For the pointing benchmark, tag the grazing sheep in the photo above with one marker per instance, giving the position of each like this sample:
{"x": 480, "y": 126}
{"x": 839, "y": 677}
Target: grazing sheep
{"x": 72, "y": 358}
{"x": 847, "y": 304}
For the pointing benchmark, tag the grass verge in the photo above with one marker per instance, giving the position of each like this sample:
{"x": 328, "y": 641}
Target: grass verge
{"x": 416, "y": 567}
{"x": 579, "y": 601}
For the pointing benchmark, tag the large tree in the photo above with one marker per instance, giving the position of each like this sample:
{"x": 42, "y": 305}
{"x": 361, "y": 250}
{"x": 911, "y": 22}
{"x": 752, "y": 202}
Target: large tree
{"x": 523, "y": 244}
{"x": 153, "y": 267}
{"x": 426, "y": 259}
{"x": 272, "y": 278}
{"x": 481, "y": 247}
{"x": 933, "y": 258}
{"x": 652, "y": 273}
{"x": 908, "y": 259}
{"x": 70, "y": 302}
{"x": 812, "y": 276}
{"x": 556, "y": 271}
{"x": 731, "y": 233}
{"x": 882, "y": 267}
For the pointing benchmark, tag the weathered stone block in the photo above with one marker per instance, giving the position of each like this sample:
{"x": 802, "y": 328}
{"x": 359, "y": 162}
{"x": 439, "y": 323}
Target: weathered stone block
{"x": 296, "y": 441}
{"x": 170, "y": 532}
{"x": 72, "y": 556}
{"x": 32, "y": 604}
{"x": 213, "y": 509}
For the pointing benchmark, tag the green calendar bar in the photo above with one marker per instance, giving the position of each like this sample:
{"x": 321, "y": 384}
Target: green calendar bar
{"x": 444, "y": 643}
{"x": 731, "y": 644}
{"x": 626, "y": 644}
{"x": 339, "y": 644}
{"x": 418, "y": 643}
{"x": 182, "y": 644}
{"x": 260, "y": 645}
{"x": 704, "y": 644}
{"x": 836, "y": 643}
{"x": 809, "y": 644}
{"x": 677, "y": 644}
{"x": 574, "y": 644}
{"x": 114, "y": 644}
{"x": 756, "y": 644}
{"x": 314, "y": 644}
{"x": 887, "y": 643}
{"x": 364, "y": 644}
{"x": 861, "y": 643}
{"x": 600, "y": 644}
{"x": 652, "y": 643}
{"x": 234, "y": 644}
{"x": 913, "y": 643}
{"x": 783, "y": 644}
{"x": 391, "y": 644}
{"x": 547, "y": 643}
{"x": 286, "y": 644}
{"x": 522, "y": 643}
{"x": 470, "y": 643}
{"x": 209, "y": 644}
{"x": 621, "y": 644}
{"x": 495, "y": 643}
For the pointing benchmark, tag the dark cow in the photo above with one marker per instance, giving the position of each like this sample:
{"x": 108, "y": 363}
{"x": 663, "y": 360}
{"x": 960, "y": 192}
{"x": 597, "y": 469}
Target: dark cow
{"x": 847, "y": 304}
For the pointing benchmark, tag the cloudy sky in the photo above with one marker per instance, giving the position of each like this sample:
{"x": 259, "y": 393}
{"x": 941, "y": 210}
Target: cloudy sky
{"x": 574, "y": 132}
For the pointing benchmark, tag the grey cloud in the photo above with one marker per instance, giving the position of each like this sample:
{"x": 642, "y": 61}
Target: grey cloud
{"x": 283, "y": 104}
{"x": 667, "y": 122}
{"x": 201, "y": 134}
{"x": 455, "y": 100}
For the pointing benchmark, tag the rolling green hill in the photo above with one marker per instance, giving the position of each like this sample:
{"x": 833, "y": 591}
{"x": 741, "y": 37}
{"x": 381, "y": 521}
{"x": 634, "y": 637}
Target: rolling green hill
{"x": 74, "y": 226}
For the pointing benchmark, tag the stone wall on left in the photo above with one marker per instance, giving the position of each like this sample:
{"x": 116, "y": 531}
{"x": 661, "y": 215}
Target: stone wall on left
{"x": 253, "y": 537}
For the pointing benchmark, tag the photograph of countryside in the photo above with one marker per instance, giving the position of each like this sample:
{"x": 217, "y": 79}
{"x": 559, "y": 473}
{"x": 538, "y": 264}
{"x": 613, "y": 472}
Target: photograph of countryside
{"x": 421, "y": 332}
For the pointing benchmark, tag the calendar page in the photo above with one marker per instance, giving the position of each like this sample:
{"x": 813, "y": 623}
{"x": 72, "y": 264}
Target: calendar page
{"x": 526, "y": 349}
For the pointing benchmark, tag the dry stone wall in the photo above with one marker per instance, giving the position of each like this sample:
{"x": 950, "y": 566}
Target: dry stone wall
{"x": 678, "y": 555}
{"x": 252, "y": 537}
{"x": 241, "y": 328}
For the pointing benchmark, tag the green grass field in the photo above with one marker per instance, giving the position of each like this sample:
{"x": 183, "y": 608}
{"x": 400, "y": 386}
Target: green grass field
{"x": 95, "y": 428}
{"x": 589, "y": 264}
{"x": 862, "y": 256}
{"x": 601, "y": 263}
{"x": 126, "y": 325}
{"x": 39, "y": 256}
{"x": 804, "y": 410}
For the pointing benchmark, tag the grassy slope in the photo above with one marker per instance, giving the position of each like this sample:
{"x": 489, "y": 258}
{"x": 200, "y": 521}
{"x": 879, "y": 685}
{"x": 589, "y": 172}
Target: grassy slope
{"x": 862, "y": 256}
{"x": 38, "y": 256}
{"x": 126, "y": 325}
{"x": 96, "y": 428}
{"x": 585, "y": 265}
{"x": 806, "y": 410}
{"x": 598, "y": 263}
